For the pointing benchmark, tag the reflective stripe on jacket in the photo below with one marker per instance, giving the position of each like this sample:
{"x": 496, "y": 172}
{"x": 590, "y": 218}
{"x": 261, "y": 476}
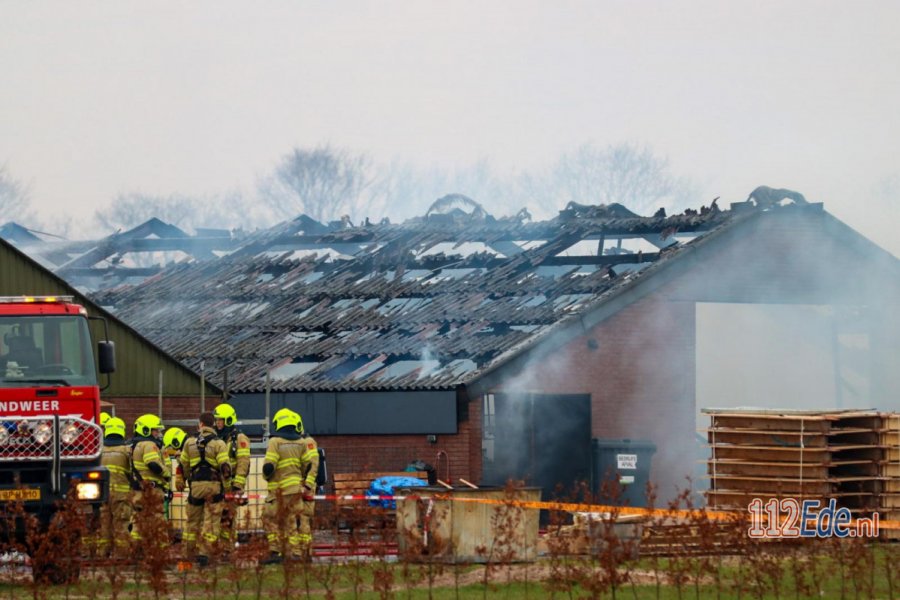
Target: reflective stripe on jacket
{"x": 239, "y": 457}
{"x": 309, "y": 462}
{"x": 117, "y": 459}
{"x": 146, "y": 452}
{"x": 286, "y": 456}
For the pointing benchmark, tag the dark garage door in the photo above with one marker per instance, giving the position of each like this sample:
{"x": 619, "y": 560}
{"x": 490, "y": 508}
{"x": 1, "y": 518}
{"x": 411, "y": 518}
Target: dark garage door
{"x": 544, "y": 440}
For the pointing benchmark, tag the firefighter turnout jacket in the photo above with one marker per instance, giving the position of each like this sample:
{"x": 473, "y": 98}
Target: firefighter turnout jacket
{"x": 282, "y": 468}
{"x": 238, "y": 458}
{"x": 148, "y": 463}
{"x": 116, "y": 457}
{"x": 309, "y": 462}
{"x": 205, "y": 459}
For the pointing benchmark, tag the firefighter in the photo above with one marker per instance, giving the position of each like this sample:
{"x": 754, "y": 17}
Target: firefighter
{"x": 204, "y": 461}
{"x": 115, "y": 515}
{"x": 239, "y": 459}
{"x": 282, "y": 472}
{"x": 309, "y": 471}
{"x": 151, "y": 474}
{"x": 173, "y": 442}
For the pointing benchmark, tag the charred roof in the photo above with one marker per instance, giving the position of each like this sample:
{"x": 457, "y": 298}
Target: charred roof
{"x": 430, "y": 303}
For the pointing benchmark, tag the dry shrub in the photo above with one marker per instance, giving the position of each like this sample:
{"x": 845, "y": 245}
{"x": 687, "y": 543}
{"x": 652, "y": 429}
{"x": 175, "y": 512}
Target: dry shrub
{"x": 153, "y": 549}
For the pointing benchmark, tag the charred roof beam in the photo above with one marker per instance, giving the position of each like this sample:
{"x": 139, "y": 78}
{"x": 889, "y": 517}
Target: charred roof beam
{"x": 609, "y": 260}
{"x": 110, "y": 271}
{"x": 191, "y": 245}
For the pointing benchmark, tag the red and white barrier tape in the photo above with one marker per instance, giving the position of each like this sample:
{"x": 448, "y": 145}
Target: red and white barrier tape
{"x": 713, "y": 515}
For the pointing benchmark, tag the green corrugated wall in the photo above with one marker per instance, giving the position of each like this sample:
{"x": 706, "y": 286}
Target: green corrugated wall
{"x": 138, "y": 361}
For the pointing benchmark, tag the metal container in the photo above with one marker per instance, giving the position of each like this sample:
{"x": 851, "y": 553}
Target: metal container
{"x": 466, "y": 525}
{"x": 621, "y": 471}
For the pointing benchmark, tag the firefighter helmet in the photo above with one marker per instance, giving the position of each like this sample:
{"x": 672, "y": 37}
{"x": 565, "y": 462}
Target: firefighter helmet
{"x": 145, "y": 424}
{"x": 225, "y": 412}
{"x": 104, "y": 417}
{"x": 174, "y": 437}
{"x": 114, "y": 426}
{"x": 299, "y": 424}
{"x": 285, "y": 418}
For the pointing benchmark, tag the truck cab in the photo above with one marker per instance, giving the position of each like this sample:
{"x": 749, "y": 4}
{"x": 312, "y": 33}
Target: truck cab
{"x": 50, "y": 437}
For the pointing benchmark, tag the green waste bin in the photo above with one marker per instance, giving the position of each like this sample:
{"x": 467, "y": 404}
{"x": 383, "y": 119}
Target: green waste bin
{"x": 620, "y": 471}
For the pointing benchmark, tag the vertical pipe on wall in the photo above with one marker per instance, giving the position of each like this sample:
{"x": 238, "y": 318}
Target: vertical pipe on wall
{"x": 225, "y": 388}
{"x": 160, "y": 413}
{"x": 268, "y": 404}
{"x": 202, "y": 386}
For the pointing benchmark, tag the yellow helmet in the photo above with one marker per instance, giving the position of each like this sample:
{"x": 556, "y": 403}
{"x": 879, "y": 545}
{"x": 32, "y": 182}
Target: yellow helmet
{"x": 285, "y": 418}
{"x": 145, "y": 424}
{"x": 174, "y": 437}
{"x": 104, "y": 417}
{"x": 114, "y": 426}
{"x": 225, "y": 412}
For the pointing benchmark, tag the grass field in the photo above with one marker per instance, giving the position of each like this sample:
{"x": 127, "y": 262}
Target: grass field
{"x": 679, "y": 554}
{"x": 848, "y": 569}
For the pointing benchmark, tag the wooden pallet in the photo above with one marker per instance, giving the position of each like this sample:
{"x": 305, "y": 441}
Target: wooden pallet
{"x": 816, "y": 455}
{"x": 763, "y": 453}
{"x": 718, "y": 468}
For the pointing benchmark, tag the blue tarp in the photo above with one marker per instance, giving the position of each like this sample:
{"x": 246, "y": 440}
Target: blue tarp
{"x": 384, "y": 486}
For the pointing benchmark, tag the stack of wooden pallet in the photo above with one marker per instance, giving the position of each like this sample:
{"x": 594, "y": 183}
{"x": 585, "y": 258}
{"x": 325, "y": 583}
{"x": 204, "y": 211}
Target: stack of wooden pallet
{"x": 757, "y": 453}
{"x": 889, "y": 501}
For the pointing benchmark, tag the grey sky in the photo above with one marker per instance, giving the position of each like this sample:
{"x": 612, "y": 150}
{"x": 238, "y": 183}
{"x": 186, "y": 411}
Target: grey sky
{"x": 200, "y": 97}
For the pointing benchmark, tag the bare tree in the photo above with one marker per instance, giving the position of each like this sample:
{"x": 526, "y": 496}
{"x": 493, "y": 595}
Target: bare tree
{"x": 621, "y": 173}
{"x": 128, "y": 210}
{"x": 15, "y": 198}
{"x": 625, "y": 173}
{"x": 323, "y": 183}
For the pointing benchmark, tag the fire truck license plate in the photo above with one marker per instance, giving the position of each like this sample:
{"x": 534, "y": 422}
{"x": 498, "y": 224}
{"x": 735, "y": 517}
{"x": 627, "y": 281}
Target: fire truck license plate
{"x": 20, "y": 495}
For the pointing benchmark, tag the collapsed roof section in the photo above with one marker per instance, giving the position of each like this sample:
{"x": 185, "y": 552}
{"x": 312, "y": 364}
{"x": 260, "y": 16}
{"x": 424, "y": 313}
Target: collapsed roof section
{"x": 427, "y": 304}
{"x": 125, "y": 257}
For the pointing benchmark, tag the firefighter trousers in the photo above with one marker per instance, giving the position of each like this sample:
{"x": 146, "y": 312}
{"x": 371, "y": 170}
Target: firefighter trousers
{"x": 281, "y": 516}
{"x": 304, "y": 534}
{"x": 149, "y": 522}
{"x": 204, "y": 517}
{"x": 230, "y": 518}
{"x": 115, "y": 516}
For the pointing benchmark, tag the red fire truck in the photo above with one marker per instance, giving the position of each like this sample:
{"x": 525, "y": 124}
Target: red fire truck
{"x": 50, "y": 437}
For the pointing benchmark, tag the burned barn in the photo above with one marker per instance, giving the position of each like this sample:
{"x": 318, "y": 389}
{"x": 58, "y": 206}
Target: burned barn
{"x": 500, "y": 348}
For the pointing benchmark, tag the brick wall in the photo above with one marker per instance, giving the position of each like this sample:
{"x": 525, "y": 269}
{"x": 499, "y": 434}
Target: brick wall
{"x": 638, "y": 367}
{"x": 361, "y": 453}
{"x": 173, "y": 408}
